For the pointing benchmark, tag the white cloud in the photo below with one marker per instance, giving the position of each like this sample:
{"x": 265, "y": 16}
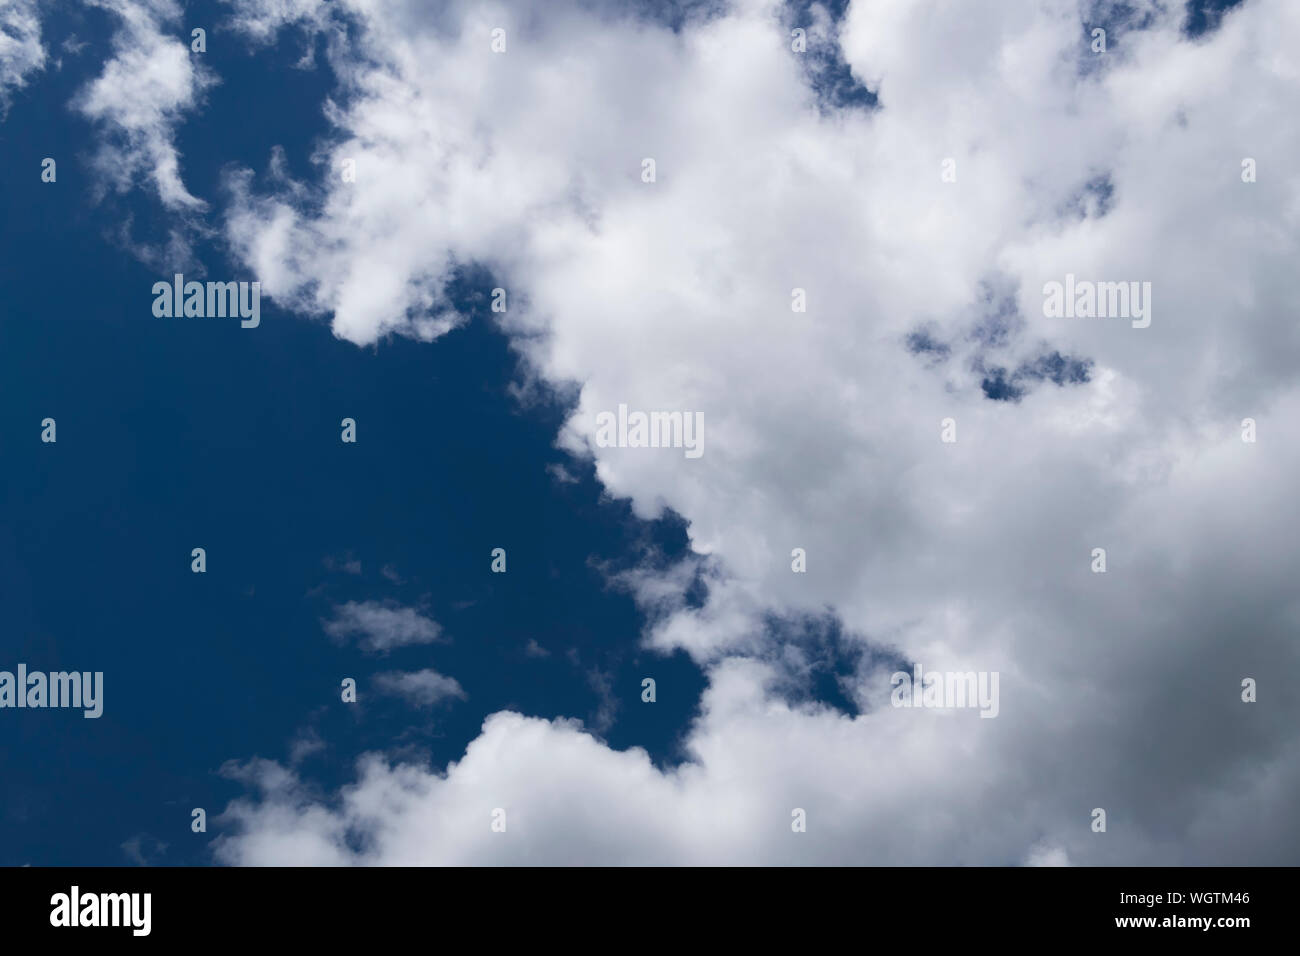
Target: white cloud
{"x": 424, "y": 688}
{"x": 305, "y": 743}
{"x": 380, "y": 626}
{"x": 888, "y": 789}
{"x": 141, "y": 95}
{"x": 823, "y": 431}
{"x": 260, "y": 20}
{"x": 21, "y": 52}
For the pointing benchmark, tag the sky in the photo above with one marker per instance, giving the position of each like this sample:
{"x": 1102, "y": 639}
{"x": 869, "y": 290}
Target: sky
{"x": 825, "y": 231}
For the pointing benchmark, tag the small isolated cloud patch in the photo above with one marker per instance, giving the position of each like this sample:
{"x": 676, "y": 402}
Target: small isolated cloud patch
{"x": 380, "y": 627}
{"x": 423, "y": 688}
{"x": 139, "y": 99}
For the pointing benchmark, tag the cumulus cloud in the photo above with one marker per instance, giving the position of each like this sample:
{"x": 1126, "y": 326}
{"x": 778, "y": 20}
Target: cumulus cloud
{"x": 424, "y": 688}
{"x": 889, "y": 790}
{"x": 380, "y": 626}
{"x": 141, "y": 94}
{"x": 21, "y": 52}
{"x": 1120, "y": 689}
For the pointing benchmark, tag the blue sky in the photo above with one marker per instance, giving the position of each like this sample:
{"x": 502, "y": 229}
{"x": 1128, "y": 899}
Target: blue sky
{"x": 174, "y": 435}
{"x": 915, "y": 175}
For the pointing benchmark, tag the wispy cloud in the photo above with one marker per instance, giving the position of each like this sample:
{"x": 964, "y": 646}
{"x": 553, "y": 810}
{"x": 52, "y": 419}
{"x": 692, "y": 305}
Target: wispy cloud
{"x": 21, "y": 52}
{"x": 381, "y": 626}
{"x": 424, "y": 688}
{"x": 137, "y": 100}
